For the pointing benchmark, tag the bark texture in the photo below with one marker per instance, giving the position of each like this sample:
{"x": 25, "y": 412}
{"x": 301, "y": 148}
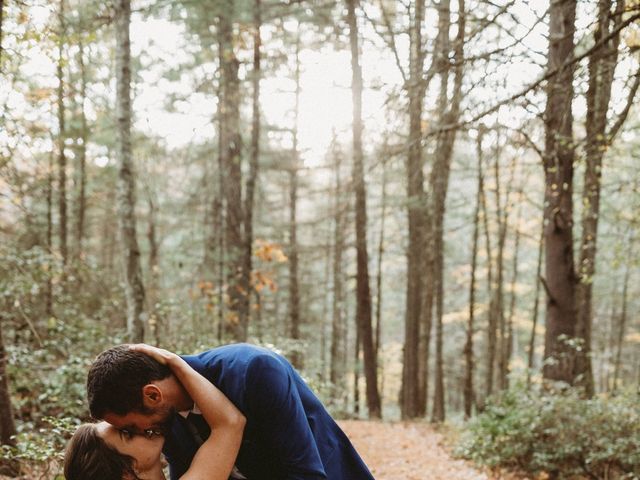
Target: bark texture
{"x": 560, "y": 276}
{"x": 449, "y": 106}
{"x": 134, "y": 289}
{"x": 236, "y": 323}
{"x": 153, "y": 279}
{"x": 363, "y": 291}
{"x": 7, "y": 424}
{"x": 602, "y": 65}
{"x": 622, "y": 325}
{"x": 536, "y": 305}
{"x": 491, "y": 321}
{"x": 62, "y": 159}
{"x": 81, "y": 199}
{"x": 247, "y": 260}
{"x": 496, "y": 307}
{"x": 49, "y": 235}
{"x": 379, "y": 272}
{"x": 502, "y": 214}
{"x": 294, "y": 286}
{"x": 468, "y": 388}
{"x": 1, "y": 23}
{"x": 338, "y": 327}
{"x": 508, "y": 340}
{"x": 409, "y": 396}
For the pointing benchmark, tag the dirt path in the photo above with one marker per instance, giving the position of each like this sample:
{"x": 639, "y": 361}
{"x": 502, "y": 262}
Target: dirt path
{"x": 407, "y": 451}
{"x": 398, "y": 451}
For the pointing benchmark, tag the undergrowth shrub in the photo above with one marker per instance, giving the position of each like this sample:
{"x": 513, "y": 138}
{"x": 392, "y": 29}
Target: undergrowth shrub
{"x": 40, "y": 452}
{"x": 564, "y": 435}
{"x": 48, "y": 351}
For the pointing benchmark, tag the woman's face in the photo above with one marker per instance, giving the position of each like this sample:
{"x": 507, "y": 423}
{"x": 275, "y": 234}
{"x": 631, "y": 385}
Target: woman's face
{"x": 144, "y": 450}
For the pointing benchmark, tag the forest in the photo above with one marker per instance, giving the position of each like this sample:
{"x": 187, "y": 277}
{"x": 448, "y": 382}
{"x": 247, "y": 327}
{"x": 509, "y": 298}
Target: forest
{"x": 430, "y": 207}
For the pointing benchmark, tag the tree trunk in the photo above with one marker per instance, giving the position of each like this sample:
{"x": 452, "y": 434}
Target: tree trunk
{"x": 220, "y": 267}
{"x": 536, "y": 304}
{"x": 294, "y": 289}
{"x": 621, "y": 327}
{"x": 108, "y": 240}
{"x": 560, "y": 276}
{"x": 154, "y": 268}
{"x": 210, "y": 249}
{"x": 497, "y": 296}
{"x": 1, "y": 23}
{"x": 134, "y": 289}
{"x": 502, "y": 214}
{"x": 326, "y": 299}
{"x": 247, "y": 263}
{"x": 62, "y": 159}
{"x": 363, "y": 292}
{"x": 468, "y": 390}
{"x": 491, "y": 324}
{"x": 49, "y": 239}
{"x": 230, "y": 143}
{"x": 440, "y": 176}
{"x": 602, "y": 65}
{"x": 213, "y": 222}
{"x": 81, "y": 202}
{"x": 410, "y": 394}
{"x": 338, "y": 330}
{"x": 638, "y": 376}
{"x": 609, "y": 344}
{"x": 356, "y": 374}
{"x": 383, "y": 212}
{"x": 7, "y": 425}
{"x": 426, "y": 314}
{"x": 507, "y": 348}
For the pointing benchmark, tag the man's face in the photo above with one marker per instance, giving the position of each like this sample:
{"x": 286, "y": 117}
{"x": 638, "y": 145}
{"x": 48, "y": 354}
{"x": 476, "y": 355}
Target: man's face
{"x": 156, "y": 420}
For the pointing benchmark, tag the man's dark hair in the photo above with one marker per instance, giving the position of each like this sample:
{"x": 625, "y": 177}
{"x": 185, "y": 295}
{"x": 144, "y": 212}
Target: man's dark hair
{"x": 116, "y": 378}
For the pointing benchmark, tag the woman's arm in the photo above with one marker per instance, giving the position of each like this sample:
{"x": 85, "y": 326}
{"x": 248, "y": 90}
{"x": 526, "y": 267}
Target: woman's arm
{"x": 215, "y": 458}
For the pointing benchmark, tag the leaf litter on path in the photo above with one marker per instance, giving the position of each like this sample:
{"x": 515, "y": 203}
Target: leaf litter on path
{"x": 408, "y": 451}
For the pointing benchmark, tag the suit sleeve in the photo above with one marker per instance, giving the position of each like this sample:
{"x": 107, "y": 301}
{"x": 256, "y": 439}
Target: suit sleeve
{"x": 273, "y": 400}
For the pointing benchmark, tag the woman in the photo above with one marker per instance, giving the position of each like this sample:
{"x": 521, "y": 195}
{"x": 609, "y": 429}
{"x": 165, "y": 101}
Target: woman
{"x": 99, "y": 451}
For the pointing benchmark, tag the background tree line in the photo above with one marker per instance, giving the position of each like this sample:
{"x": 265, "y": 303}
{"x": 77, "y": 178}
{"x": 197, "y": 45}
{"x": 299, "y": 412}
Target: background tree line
{"x": 471, "y": 222}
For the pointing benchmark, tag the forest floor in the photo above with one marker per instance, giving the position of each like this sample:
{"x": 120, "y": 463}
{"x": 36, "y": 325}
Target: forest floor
{"x": 397, "y": 451}
{"x": 411, "y": 451}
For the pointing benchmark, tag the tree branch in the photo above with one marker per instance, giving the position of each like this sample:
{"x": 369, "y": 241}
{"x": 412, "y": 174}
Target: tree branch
{"x": 623, "y": 115}
{"x": 391, "y": 41}
{"x": 544, "y": 283}
{"x": 538, "y": 82}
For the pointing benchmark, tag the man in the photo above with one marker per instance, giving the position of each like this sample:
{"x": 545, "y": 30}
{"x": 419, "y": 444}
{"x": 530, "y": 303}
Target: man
{"x": 288, "y": 435}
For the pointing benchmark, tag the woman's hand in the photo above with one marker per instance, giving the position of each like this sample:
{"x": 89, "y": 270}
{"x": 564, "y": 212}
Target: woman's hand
{"x": 158, "y": 354}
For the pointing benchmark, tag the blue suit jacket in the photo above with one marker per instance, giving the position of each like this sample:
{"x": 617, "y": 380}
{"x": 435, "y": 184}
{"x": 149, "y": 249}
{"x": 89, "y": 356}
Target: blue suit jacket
{"x": 288, "y": 435}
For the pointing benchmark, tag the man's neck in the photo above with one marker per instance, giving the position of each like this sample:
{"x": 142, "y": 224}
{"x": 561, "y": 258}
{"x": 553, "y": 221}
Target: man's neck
{"x": 175, "y": 394}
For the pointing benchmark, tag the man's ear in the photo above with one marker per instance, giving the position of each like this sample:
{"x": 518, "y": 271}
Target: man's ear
{"x": 151, "y": 395}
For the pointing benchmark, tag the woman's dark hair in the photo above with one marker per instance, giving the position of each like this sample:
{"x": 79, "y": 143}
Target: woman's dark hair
{"x": 89, "y": 457}
{"x": 116, "y": 378}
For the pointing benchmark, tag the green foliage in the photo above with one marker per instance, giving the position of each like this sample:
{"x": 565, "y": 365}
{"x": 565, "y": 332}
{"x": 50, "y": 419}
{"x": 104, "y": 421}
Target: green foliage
{"x": 23, "y": 275}
{"x": 48, "y": 354}
{"x": 44, "y": 384}
{"x": 49, "y": 380}
{"x": 41, "y": 449}
{"x": 564, "y": 435}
